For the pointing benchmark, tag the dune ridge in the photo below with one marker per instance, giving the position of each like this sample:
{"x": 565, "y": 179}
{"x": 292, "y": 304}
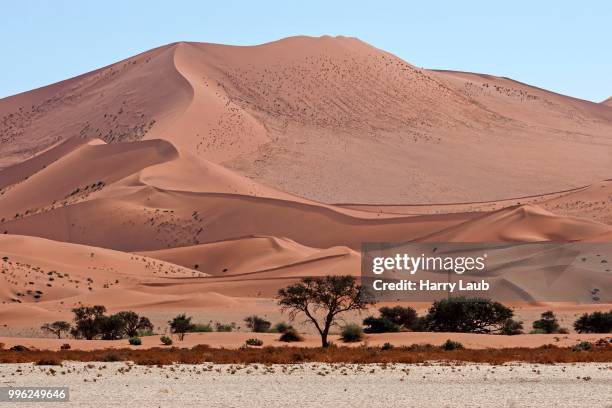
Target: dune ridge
{"x": 298, "y": 113}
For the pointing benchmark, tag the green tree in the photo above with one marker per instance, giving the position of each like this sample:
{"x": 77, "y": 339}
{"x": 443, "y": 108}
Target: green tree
{"x": 547, "y": 323}
{"x": 57, "y": 328}
{"x": 180, "y": 325}
{"x": 467, "y": 315}
{"x": 87, "y": 321}
{"x": 321, "y": 300}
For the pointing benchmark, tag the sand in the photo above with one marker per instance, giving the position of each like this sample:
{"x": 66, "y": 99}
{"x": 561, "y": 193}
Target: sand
{"x": 324, "y": 117}
{"x": 202, "y": 178}
{"x": 316, "y": 385}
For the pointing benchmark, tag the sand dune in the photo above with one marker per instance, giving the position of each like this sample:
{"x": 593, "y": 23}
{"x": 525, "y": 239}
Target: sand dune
{"x": 607, "y": 102}
{"x": 523, "y": 223}
{"x": 298, "y": 113}
{"x": 199, "y": 176}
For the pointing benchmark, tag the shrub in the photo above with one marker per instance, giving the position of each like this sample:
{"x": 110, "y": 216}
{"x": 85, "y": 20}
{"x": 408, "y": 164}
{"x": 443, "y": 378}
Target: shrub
{"x": 537, "y": 331}
{"x": 511, "y": 327}
{"x": 200, "y": 328}
{"x": 351, "y": 333}
{"x": 379, "y": 325}
{"x": 65, "y": 346}
{"x": 405, "y": 317}
{"x": 254, "y": 342}
{"x": 449, "y": 345}
{"x": 596, "y": 322}
{"x": 423, "y": 347}
{"x": 467, "y": 315}
{"x": 257, "y": 324}
{"x": 387, "y": 346}
{"x": 111, "y": 357}
{"x": 220, "y": 327}
{"x": 166, "y": 341}
{"x": 48, "y": 361}
{"x": 582, "y": 346}
{"x": 180, "y": 325}
{"x": 19, "y": 347}
{"x": 282, "y": 327}
{"x": 290, "y": 335}
{"x": 563, "y": 330}
{"x": 547, "y": 323}
{"x": 135, "y": 341}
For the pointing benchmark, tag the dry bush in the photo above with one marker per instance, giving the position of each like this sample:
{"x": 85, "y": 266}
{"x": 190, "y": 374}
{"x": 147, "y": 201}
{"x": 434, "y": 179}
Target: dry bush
{"x": 600, "y": 352}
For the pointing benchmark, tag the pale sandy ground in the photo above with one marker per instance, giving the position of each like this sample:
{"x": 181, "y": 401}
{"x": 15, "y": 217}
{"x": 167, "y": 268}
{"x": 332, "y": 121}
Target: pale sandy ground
{"x": 321, "y": 385}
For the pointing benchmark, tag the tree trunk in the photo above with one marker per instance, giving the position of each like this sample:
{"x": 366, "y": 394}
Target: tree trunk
{"x": 324, "y": 342}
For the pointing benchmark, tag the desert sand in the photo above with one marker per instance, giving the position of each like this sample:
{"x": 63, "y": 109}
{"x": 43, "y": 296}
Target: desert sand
{"x": 201, "y": 177}
{"x": 315, "y": 385}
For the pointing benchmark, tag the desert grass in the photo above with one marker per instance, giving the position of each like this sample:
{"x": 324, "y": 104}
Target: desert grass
{"x": 416, "y": 354}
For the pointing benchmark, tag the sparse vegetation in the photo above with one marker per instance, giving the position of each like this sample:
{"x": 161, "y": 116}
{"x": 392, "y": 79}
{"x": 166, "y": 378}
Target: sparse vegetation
{"x": 165, "y": 340}
{"x": 583, "y": 346}
{"x": 180, "y": 325}
{"x": 286, "y": 355}
{"x": 467, "y": 315}
{"x": 596, "y": 322}
{"x": 511, "y": 327}
{"x": 449, "y": 345}
{"x": 135, "y": 341}
{"x": 254, "y": 342}
{"x": 546, "y": 324}
{"x": 290, "y": 335}
{"x": 321, "y": 300}
{"x": 351, "y": 333}
{"x": 257, "y": 324}
{"x": 200, "y": 328}
{"x": 57, "y": 328}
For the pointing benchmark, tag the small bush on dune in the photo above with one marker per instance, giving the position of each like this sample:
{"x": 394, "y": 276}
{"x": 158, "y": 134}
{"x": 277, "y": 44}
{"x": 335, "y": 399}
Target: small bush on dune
{"x": 65, "y": 346}
{"x": 582, "y": 346}
{"x": 254, "y": 342}
{"x": 450, "y": 345}
{"x": 19, "y": 347}
{"x": 135, "y": 341}
{"x": 200, "y": 328}
{"x": 387, "y": 346}
{"x": 257, "y": 324}
{"x": 380, "y": 325}
{"x": 221, "y": 327}
{"x": 547, "y": 323}
{"x": 291, "y": 335}
{"x": 166, "y": 341}
{"x": 511, "y": 327}
{"x": 351, "y": 333}
{"x": 281, "y": 327}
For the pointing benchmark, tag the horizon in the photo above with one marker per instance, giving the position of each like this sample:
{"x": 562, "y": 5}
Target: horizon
{"x": 530, "y": 44}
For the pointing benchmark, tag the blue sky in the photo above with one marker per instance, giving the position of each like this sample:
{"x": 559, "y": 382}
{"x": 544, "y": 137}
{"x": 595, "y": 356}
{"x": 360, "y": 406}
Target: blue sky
{"x": 563, "y": 46}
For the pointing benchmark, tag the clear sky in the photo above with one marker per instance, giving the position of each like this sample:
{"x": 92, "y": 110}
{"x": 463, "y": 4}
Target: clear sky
{"x": 563, "y": 46}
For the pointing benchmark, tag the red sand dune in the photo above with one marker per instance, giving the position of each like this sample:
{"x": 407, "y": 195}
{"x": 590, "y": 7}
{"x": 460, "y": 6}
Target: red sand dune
{"x": 322, "y": 117}
{"x": 198, "y": 176}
